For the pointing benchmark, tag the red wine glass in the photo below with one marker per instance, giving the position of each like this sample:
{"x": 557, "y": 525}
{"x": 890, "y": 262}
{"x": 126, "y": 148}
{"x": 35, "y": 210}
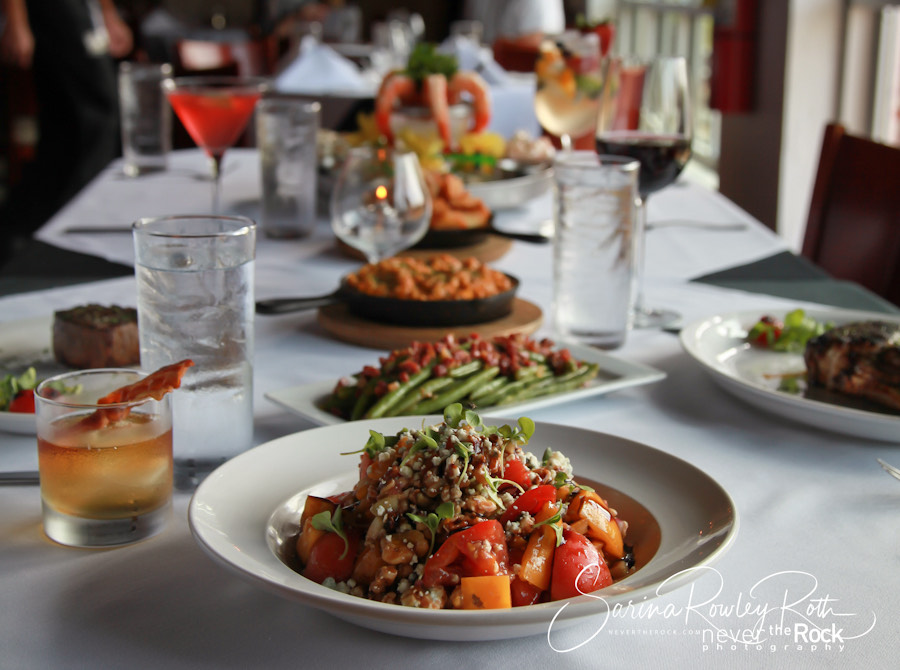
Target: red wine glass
{"x": 645, "y": 113}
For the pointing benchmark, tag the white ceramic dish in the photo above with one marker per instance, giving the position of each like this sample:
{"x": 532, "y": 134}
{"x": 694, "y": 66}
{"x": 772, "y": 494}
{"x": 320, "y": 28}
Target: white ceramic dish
{"x": 513, "y": 191}
{"x": 243, "y": 511}
{"x": 25, "y": 343}
{"x": 615, "y": 374}
{"x": 719, "y": 345}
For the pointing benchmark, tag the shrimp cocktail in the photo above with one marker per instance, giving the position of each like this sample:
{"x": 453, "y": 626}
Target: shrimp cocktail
{"x": 105, "y": 454}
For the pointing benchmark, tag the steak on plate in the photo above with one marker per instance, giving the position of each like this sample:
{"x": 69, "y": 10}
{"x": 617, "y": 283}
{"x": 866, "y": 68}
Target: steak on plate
{"x": 94, "y": 336}
{"x": 860, "y": 359}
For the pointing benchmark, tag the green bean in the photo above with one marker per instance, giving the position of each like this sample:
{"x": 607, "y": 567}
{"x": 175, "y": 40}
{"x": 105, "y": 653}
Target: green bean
{"x": 426, "y": 390}
{"x": 494, "y": 385}
{"x": 512, "y": 387}
{"x": 391, "y": 398}
{"x": 362, "y": 401}
{"x": 456, "y": 391}
{"x": 465, "y": 369}
{"x": 566, "y": 382}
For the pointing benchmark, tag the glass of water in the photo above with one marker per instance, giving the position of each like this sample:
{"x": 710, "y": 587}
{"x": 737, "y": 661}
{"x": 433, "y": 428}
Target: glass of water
{"x": 593, "y": 247}
{"x": 380, "y": 204}
{"x": 195, "y": 300}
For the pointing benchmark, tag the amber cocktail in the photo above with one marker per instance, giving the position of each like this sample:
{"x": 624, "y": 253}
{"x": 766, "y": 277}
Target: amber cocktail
{"x": 103, "y": 483}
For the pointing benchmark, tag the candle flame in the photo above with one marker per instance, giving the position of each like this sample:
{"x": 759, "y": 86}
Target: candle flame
{"x": 381, "y": 192}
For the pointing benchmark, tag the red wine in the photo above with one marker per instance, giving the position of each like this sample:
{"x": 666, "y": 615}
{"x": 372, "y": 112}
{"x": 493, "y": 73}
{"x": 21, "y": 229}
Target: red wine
{"x": 662, "y": 157}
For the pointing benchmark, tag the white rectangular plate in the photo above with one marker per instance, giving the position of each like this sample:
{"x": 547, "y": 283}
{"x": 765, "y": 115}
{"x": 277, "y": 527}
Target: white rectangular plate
{"x": 615, "y": 374}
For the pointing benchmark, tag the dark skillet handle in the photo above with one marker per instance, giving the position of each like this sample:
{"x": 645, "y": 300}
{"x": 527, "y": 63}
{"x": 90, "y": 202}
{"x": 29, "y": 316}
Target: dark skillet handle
{"x": 286, "y": 305}
{"x": 533, "y": 238}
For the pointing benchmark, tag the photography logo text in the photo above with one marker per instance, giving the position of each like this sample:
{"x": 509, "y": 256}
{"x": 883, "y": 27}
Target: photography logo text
{"x": 785, "y": 611}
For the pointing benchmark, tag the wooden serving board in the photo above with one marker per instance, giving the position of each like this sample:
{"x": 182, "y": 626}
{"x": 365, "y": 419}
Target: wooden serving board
{"x": 525, "y": 318}
{"x": 488, "y": 250}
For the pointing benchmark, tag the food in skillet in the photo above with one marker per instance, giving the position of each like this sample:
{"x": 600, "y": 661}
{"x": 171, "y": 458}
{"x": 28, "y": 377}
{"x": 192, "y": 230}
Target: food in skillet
{"x": 438, "y": 277}
{"x": 425, "y": 377}
{"x": 858, "y": 359}
{"x": 458, "y": 515}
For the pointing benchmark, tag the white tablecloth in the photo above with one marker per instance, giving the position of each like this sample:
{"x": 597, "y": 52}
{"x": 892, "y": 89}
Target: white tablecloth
{"x": 818, "y": 515}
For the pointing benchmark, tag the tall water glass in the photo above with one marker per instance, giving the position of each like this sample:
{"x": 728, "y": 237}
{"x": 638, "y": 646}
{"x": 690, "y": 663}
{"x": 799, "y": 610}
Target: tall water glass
{"x": 146, "y": 117}
{"x": 593, "y": 250}
{"x": 286, "y": 136}
{"x": 195, "y": 300}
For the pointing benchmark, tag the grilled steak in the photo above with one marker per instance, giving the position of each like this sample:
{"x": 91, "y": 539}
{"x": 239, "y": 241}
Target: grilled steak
{"x": 94, "y": 336}
{"x": 859, "y": 359}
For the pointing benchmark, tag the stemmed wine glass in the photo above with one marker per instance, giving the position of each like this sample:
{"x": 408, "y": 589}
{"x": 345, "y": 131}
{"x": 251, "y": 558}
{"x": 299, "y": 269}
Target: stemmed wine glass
{"x": 380, "y": 204}
{"x": 214, "y": 110}
{"x": 645, "y": 113}
{"x": 569, "y": 73}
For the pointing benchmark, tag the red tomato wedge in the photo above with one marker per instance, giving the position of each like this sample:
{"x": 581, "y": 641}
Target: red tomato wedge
{"x": 325, "y": 558}
{"x": 531, "y": 501}
{"x": 577, "y": 567}
{"x": 477, "y": 551}
{"x": 23, "y": 403}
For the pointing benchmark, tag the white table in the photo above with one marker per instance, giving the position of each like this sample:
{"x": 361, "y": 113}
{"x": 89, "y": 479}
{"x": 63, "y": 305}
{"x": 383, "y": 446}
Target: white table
{"x": 813, "y": 505}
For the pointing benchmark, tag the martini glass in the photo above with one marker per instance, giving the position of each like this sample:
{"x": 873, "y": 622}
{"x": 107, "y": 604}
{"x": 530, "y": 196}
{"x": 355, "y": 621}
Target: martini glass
{"x": 214, "y": 110}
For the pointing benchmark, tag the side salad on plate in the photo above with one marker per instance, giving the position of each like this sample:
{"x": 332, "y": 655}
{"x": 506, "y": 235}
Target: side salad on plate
{"x": 457, "y": 515}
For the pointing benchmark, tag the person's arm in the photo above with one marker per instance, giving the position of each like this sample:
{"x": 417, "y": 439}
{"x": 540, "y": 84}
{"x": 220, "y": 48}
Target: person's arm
{"x": 120, "y": 38}
{"x": 17, "y": 40}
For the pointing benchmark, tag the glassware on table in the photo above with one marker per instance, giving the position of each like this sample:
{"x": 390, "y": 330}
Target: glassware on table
{"x": 195, "y": 299}
{"x": 646, "y": 114}
{"x": 380, "y": 204}
{"x": 215, "y": 111}
{"x": 593, "y": 250}
{"x": 106, "y": 486}
{"x": 286, "y": 129}
{"x": 146, "y": 118}
{"x": 570, "y": 78}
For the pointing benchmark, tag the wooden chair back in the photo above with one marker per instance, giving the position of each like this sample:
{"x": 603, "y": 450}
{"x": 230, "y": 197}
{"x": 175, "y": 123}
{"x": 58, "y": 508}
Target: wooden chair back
{"x": 853, "y": 229}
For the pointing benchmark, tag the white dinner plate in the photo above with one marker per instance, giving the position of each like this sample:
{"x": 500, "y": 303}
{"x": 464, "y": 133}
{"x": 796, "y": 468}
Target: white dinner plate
{"x": 25, "y": 343}
{"x": 751, "y": 373}
{"x": 615, "y": 374}
{"x": 680, "y": 519}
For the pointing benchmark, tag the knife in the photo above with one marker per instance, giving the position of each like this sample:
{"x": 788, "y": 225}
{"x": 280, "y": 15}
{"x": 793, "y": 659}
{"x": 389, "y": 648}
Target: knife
{"x": 21, "y": 478}
{"x": 100, "y": 230}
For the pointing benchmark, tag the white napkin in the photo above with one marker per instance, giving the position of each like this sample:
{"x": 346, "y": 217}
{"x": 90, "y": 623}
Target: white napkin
{"x": 473, "y": 56}
{"x": 321, "y": 69}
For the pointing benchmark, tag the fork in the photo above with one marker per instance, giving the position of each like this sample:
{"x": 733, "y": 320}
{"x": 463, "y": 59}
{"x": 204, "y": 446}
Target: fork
{"x": 888, "y": 468}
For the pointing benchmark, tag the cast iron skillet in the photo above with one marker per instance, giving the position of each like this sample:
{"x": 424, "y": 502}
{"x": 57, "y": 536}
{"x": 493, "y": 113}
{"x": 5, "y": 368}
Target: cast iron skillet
{"x": 397, "y": 311}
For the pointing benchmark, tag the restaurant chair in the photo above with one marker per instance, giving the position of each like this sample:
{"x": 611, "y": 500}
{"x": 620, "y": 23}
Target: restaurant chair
{"x": 853, "y": 229}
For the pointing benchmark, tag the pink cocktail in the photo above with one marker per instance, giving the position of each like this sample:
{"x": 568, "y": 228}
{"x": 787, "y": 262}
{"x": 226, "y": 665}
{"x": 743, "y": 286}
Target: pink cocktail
{"x": 215, "y": 111}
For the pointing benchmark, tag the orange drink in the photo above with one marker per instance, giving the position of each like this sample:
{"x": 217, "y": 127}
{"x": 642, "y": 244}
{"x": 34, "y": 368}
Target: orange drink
{"x": 102, "y": 483}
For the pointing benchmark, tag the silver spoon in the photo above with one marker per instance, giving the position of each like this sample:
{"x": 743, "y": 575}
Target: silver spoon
{"x": 21, "y": 478}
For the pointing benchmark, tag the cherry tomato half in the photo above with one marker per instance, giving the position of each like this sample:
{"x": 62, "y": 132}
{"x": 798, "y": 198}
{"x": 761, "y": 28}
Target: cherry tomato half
{"x": 23, "y": 402}
{"x": 325, "y": 558}
{"x": 531, "y": 501}
{"x": 577, "y": 559}
{"x": 477, "y": 551}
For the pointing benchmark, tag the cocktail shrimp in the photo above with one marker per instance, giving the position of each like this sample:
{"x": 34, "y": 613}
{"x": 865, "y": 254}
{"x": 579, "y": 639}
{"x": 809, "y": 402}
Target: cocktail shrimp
{"x": 436, "y": 93}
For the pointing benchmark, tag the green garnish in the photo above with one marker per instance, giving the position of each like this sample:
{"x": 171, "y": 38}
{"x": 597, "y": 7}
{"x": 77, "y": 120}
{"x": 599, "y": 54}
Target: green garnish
{"x": 333, "y": 524}
{"x": 433, "y": 520}
{"x": 10, "y": 385}
{"x": 554, "y": 523}
{"x": 425, "y": 59}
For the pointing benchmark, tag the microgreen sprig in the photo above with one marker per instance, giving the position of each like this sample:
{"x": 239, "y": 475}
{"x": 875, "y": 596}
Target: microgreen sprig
{"x": 332, "y": 523}
{"x": 555, "y": 523}
{"x": 433, "y": 520}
